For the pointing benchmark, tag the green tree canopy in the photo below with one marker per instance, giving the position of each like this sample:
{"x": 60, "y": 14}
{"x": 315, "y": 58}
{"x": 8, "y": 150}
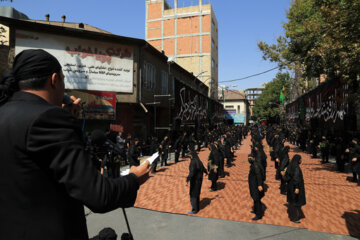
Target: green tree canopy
{"x": 268, "y": 103}
{"x": 321, "y": 37}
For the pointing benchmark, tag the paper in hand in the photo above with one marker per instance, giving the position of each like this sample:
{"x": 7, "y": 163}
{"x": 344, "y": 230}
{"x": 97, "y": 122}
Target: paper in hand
{"x": 152, "y": 158}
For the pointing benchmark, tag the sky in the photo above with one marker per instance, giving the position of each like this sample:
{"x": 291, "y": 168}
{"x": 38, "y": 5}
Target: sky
{"x": 242, "y": 24}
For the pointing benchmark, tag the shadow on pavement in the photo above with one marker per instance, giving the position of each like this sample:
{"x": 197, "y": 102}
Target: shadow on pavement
{"x": 352, "y": 220}
{"x": 205, "y": 202}
{"x": 220, "y": 185}
{"x": 325, "y": 167}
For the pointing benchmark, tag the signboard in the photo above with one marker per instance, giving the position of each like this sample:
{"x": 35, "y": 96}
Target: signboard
{"x": 87, "y": 64}
{"x": 97, "y": 105}
{"x": 238, "y": 118}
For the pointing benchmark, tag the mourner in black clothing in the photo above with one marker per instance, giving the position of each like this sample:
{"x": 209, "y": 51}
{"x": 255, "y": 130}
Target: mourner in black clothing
{"x": 195, "y": 177}
{"x": 154, "y": 147}
{"x": 213, "y": 166}
{"x": 340, "y": 154}
{"x": 354, "y": 155}
{"x": 284, "y": 162}
{"x": 324, "y": 149}
{"x": 164, "y": 150}
{"x": 256, "y": 185}
{"x": 222, "y": 161}
{"x": 134, "y": 153}
{"x": 46, "y": 178}
{"x": 295, "y": 188}
{"x": 177, "y": 148}
{"x": 184, "y": 144}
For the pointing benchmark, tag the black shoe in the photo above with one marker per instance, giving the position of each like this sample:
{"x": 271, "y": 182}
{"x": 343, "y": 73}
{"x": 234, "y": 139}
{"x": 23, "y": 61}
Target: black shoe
{"x": 283, "y": 193}
{"x": 252, "y": 211}
{"x": 256, "y": 218}
{"x": 296, "y": 221}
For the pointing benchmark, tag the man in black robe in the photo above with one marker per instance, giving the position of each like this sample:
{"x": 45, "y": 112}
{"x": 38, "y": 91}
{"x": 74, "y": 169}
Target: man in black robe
{"x": 177, "y": 148}
{"x": 46, "y": 178}
{"x": 184, "y": 144}
{"x": 256, "y": 185}
{"x": 164, "y": 150}
{"x": 195, "y": 177}
{"x": 354, "y": 155}
{"x": 213, "y": 166}
{"x": 134, "y": 153}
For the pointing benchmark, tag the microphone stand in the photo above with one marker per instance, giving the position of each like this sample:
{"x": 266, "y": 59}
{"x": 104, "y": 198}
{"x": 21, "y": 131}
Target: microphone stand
{"x": 127, "y": 224}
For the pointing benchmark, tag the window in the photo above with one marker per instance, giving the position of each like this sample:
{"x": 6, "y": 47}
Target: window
{"x": 164, "y": 82}
{"x": 238, "y": 109}
{"x": 149, "y": 76}
{"x": 212, "y": 63}
{"x": 229, "y": 106}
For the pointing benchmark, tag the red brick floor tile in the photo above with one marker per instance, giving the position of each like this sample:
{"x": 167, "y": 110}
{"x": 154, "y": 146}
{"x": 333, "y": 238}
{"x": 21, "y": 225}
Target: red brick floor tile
{"x": 332, "y": 202}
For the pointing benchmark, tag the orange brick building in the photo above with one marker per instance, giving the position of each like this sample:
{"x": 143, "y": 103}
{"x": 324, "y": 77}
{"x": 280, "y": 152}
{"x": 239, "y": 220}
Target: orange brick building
{"x": 188, "y": 36}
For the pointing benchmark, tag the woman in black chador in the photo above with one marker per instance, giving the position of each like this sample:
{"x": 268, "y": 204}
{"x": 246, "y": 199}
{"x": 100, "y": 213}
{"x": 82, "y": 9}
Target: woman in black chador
{"x": 256, "y": 184}
{"x": 284, "y": 162}
{"x": 196, "y": 171}
{"x": 213, "y": 165}
{"x": 295, "y": 189}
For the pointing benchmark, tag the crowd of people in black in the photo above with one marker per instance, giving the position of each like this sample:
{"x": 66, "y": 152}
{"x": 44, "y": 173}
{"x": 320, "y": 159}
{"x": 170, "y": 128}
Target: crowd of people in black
{"x": 345, "y": 148}
{"x": 222, "y": 143}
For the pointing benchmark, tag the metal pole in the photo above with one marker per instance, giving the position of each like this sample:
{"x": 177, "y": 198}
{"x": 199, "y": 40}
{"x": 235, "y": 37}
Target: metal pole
{"x": 127, "y": 224}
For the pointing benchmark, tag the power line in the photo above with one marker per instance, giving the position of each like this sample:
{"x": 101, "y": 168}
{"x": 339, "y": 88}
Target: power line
{"x": 254, "y": 75}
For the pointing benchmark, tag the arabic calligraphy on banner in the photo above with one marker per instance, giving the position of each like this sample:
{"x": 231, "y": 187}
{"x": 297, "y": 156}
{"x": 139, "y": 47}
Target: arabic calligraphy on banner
{"x": 189, "y": 104}
{"x": 326, "y": 103}
{"x": 87, "y": 64}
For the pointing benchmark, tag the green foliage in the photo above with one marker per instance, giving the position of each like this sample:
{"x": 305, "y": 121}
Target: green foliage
{"x": 268, "y": 103}
{"x": 321, "y": 37}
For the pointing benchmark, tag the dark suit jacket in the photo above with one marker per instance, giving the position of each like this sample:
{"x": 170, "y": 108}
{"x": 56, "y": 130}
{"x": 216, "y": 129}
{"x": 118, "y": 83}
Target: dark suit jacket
{"x": 46, "y": 177}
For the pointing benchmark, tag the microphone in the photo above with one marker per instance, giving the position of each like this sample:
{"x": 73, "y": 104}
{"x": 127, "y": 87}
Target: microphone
{"x": 67, "y": 100}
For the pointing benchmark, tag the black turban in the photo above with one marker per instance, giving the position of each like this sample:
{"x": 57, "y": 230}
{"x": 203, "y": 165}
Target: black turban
{"x": 32, "y": 63}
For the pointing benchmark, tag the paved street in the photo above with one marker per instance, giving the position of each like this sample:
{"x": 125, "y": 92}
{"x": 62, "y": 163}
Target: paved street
{"x": 333, "y": 205}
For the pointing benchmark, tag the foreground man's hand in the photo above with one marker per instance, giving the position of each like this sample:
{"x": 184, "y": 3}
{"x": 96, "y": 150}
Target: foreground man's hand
{"x": 142, "y": 172}
{"x": 75, "y": 107}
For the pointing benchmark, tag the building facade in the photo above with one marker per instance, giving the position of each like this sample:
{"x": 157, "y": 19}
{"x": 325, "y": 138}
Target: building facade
{"x": 188, "y": 36}
{"x": 125, "y": 83}
{"x": 236, "y": 107}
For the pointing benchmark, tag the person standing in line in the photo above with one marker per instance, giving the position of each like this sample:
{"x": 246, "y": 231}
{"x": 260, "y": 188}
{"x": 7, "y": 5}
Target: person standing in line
{"x": 295, "y": 189}
{"x": 134, "y": 153}
{"x": 177, "y": 148}
{"x": 213, "y": 166}
{"x": 354, "y": 155}
{"x": 195, "y": 177}
{"x": 284, "y": 162}
{"x": 184, "y": 144}
{"x": 164, "y": 150}
{"x": 256, "y": 185}
{"x": 222, "y": 159}
{"x": 324, "y": 149}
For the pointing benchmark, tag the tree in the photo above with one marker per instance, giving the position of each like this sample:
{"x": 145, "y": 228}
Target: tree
{"x": 268, "y": 103}
{"x": 321, "y": 37}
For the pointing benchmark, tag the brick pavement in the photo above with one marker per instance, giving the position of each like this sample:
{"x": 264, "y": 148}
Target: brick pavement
{"x": 333, "y": 204}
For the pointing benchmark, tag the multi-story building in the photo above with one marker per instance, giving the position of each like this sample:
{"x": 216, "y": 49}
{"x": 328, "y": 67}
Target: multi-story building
{"x": 188, "y": 36}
